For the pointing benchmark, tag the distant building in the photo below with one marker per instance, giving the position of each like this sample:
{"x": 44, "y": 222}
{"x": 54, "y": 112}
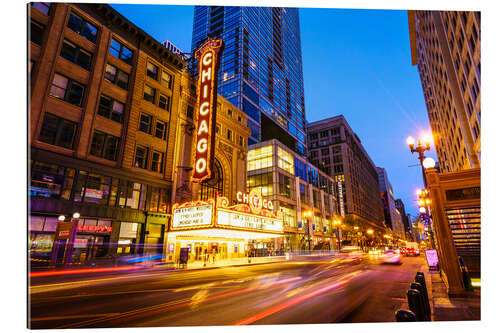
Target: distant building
{"x": 336, "y": 150}
{"x": 393, "y": 217}
{"x": 174, "y": 49}
{"x": 400, "y": 206}
{"x": 446, "y": 47}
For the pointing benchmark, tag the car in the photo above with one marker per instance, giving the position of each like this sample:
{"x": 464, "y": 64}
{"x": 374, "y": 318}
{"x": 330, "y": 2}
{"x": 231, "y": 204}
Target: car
{"x": 391, "y": 257}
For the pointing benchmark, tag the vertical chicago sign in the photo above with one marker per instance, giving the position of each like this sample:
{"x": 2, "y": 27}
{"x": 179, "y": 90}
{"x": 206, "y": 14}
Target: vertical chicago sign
{"x": 208, "y": 60}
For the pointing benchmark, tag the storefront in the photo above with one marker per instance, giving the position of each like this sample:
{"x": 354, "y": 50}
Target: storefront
{"x": 91, "y": 241}
{"x": 213, "y": 230}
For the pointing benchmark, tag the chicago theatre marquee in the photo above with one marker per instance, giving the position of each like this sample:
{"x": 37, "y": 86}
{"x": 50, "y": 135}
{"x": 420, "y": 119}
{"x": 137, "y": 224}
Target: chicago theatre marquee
{"x": 211, "y": 212}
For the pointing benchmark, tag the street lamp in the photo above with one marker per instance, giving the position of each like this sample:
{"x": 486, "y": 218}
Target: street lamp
{"x": 307, "y": 214}
{"x": 337, "y": 224}
{"x": 420, "y": 149}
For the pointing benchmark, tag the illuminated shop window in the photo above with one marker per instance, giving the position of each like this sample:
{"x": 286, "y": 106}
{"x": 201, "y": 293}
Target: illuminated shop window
{"x": 263, "y": 183}
{"x": 285, "y": 160}
{"x": 260, "y": 158}
{"x": 289, "y": 216}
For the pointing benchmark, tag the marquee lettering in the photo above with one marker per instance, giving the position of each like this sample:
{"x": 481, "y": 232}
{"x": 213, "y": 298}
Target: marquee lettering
{"x": 208, "y": 63}
{"x": 254, "y": 200}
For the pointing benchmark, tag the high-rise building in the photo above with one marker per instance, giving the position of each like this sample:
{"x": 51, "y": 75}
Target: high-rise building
{"x": 336, "y": 149}
{"x": 393, "y": 217}
{"x": 446, "y": 47}
{"x": 261, "y": 67}
{"x": 400, "y": 206}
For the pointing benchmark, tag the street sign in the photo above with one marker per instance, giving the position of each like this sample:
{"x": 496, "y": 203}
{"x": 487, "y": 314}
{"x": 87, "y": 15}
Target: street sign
{"x": 432, "y": 259}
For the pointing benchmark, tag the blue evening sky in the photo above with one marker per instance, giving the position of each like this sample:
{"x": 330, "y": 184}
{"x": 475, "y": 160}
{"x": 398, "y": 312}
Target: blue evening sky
{"x": 356, "y": 63}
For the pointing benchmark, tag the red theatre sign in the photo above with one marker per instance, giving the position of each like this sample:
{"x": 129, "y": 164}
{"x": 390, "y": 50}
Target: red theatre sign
{"x": 208, "y": 60}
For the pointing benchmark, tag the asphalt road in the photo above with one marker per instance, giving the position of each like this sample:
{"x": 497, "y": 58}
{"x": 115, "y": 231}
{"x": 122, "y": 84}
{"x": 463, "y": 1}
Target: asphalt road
{"x": 302, "y": 291}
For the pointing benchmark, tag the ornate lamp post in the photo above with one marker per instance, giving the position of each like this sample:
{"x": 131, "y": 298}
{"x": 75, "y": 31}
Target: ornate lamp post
{"x": 420, "y": 149}
{"x": 307, "y": 214}
{"x": 337, "y": 224}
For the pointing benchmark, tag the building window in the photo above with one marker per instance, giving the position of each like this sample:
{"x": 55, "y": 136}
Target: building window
{"x": 260, "y": 158}
{"x": 46, "y": 180}
{"x": 149, "y": 94}
{"x": 190, "y": 112}
{"x": 285, "y": 160}
{"x": 262, "y": 182}
{"x": 82, "y": 27}
{"x": 286, "y": 186}
{"x": 164, "y": 102}
{"x": 136, "y": 195}
{"x": 44, "y": 7}
{"x": 76, "y": 55}
{"x": 157, "y": 161}
{"x": 104, "y": 145}
{"x": 111, "y": 109}
{"x": 57, "y": 131}
{"x": 145, "y": 123}
{"x": 161, "y": 130}
{"x": 67, "y": 90}
{"x": 218, "y": 129}
{"x": 166, "y": 80}
{"x": 209, "y": 187}
{"x": 241, "y": 141}
{"x": 141, "y": 157}
{"x": 36, "y": 32}
{"x": 303, "y": 194}
{"x": 120, "y": 51}
{"x": 116, "y": 76}
{"x": 152, "y": 71}
{"x": 97, "y": 188}
{"x": 229, "y": 135}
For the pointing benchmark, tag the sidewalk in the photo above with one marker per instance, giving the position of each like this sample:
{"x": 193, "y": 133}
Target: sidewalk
{"x": 444, "y": 308}
{"x": 226, "y": 263}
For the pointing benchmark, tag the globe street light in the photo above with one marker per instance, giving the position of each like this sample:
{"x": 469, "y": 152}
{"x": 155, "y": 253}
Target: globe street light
{"x": 420, "y": 149}
{"x": 429, "y": 163}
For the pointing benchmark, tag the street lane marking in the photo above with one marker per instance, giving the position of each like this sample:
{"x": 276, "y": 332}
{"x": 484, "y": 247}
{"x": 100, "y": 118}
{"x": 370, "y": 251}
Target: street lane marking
{"x": 61, "y": 284}
{"x": 75, "y": 316}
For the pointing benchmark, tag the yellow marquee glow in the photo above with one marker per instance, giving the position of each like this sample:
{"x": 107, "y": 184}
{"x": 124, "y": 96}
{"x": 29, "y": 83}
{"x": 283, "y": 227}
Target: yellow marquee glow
{"x": 223, "y": 233}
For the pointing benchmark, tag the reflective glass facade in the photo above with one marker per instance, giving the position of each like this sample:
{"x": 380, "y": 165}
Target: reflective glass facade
{"x": 261, "y": 67}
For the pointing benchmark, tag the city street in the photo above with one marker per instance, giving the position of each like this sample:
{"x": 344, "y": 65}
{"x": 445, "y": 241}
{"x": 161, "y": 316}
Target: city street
{"x": 319, "y": 289}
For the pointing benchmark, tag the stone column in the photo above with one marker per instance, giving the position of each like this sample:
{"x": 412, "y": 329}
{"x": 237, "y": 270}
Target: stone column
{"x": 448, "y": 259}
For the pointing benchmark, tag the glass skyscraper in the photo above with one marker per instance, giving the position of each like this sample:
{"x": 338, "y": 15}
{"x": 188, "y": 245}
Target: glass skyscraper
{"x": 261, "y": 67}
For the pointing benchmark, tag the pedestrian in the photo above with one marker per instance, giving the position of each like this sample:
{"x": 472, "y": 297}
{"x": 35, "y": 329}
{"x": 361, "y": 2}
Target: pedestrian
{"x": 213, "y": 256}
{"x": 205, "y": 255}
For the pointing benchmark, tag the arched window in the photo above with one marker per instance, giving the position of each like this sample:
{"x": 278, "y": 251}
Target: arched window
{"x": 209, "y": 186}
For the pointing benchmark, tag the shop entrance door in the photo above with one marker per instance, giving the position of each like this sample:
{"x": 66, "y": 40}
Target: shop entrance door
{"x": 60, "y": 247}
{"x": 223, "y": 251}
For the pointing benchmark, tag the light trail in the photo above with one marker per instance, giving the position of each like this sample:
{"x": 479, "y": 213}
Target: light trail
{"x": 282, "y": 306}
{"x": 83, "y": 270}
{"x": 149, "y": 311}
